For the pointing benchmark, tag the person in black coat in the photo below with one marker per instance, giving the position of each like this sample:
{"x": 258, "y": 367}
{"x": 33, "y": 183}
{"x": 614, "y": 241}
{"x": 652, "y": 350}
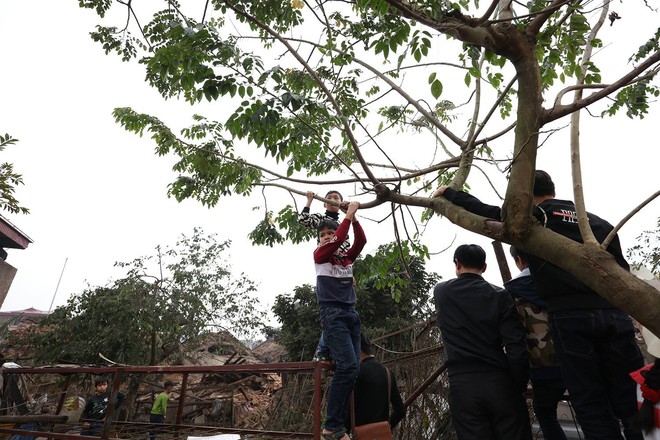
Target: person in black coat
{"x": 371, "y": 394}
{"x": 485, "y": 353}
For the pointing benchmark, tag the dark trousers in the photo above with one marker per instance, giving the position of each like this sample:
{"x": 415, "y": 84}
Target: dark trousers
{"x": 341, "y": 330}
{"x": 547, "y": 395}
{"x": 155, "y": 418}
{"x": 485, "y": 406}
{"x": 597, "y": 349}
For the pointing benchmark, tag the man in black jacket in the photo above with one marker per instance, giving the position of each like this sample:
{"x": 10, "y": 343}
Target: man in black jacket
{"x": 485, "y": 353}
{"x": 594, "y": 340}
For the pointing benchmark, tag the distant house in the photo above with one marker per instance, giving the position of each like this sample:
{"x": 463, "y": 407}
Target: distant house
{"x": 18, "y": 316}
{"x": 13, "y": 238}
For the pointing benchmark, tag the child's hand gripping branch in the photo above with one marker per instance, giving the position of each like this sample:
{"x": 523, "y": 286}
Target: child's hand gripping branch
{"x": 351, "y": 209}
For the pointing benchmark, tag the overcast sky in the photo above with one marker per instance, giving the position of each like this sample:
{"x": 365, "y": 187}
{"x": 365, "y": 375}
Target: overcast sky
{"x": 97, "y": 194}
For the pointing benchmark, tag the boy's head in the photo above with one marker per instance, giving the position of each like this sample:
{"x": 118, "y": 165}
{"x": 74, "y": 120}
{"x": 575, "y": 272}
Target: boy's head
{"x": 101, "y": 384}
{"x": 471, "y": 257}
{"x": 334, "y": 196}
{"x": 365, "y": 345}
{"x": 519, "y": 258}
{"x": 168, "y": 385}
{"x": 326, "y": 230}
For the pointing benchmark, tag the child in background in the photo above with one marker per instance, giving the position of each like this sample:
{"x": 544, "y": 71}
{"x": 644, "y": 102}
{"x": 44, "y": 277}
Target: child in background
{"x": 97, "y": 407}
{"x": 159, "y": 409}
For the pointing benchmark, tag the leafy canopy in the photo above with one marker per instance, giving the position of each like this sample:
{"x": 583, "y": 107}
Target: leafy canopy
{"x": 319, "y": 87}
{"x": 390, "y": 99}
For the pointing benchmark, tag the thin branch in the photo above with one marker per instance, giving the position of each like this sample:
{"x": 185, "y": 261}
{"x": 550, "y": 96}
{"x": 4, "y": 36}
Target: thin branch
{"x": 472, "y": 127}
{"x": 391, "y": 167}
{"x": 490, "y": 182}
{"x": 623, "y": 221}
{"x": 561, "y": 94}
{"x": 535, "y": 25}
{"x": 206, "y": 6}
{"x": 401, "y": 92}
{"x": 371, "y": 138}
{"x": 586, "y": 232}
{"x": 365, "y": 205}
{"x": 494, "y": 107}
{"x": 488, "y": 13}
{"x": 397, "y": 238}
{"x": 439, "y": 166}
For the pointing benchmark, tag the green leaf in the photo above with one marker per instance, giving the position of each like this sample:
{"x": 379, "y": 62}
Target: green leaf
{"x": 436, "y": 89}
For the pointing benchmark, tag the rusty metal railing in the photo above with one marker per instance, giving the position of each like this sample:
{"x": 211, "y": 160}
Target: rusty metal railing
{"x": 177, "y": 429}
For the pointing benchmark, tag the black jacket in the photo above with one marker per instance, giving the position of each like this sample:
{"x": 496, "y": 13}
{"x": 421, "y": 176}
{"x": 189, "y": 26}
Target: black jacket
{"x": 561, "y": 290}
{"x": 370, "y": 396}
{"x": 477, "y": 320}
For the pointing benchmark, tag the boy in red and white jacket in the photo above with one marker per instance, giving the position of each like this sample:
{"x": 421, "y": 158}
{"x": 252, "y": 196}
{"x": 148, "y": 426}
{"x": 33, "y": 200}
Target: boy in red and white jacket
{"x": 340, "y": 321}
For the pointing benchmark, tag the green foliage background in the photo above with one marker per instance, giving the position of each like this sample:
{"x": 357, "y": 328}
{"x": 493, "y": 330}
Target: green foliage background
{"x": 165, "y": 300}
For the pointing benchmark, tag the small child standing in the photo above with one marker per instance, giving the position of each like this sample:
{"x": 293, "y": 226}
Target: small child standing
{"x": 341, "y": 323}
{"x": 159, "y": 409}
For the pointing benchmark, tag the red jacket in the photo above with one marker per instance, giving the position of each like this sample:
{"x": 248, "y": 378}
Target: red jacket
{"x": 334, "y": 271}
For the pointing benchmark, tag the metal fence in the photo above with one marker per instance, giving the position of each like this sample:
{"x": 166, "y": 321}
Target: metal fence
{"x": 253, "y": 401}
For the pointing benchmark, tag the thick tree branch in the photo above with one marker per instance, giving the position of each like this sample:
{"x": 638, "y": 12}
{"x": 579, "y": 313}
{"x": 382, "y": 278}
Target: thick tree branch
{"x": 591, "y": 264}
{"x": 537, "y": 23}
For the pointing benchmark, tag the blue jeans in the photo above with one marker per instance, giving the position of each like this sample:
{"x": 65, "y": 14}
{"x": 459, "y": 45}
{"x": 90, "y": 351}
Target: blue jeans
{"x": 597, "y": 349}
{"x": 547, "y": 395}
{"x": 341, "y": 330}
